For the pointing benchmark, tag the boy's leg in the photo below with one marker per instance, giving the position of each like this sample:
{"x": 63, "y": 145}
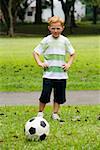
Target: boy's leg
{"x": 56, "y": 107}
{"x": 41, "y": 106}
{"x": 41, "y": 109}
{"x": 59, "y": 97}
{"x": 45, "y": 95}
{"x": 55, "y": 115}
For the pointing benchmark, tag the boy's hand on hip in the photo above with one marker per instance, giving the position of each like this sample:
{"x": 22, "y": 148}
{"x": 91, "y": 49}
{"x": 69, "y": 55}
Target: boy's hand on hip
{"x": 43, "y": 65}
{"x": 66, "y": 66}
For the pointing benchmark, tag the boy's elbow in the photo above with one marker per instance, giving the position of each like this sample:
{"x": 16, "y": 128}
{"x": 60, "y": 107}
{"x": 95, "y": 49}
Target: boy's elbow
{"x": 73, "y": 55}
{"x": 34, "y": 53}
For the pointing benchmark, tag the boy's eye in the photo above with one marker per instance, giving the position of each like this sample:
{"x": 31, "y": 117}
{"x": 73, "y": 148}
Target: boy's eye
{"x": 55, "y": 28}
{"x": 58, "y": 28}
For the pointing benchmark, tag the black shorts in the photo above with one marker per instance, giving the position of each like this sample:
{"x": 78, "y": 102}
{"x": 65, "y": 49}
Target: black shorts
{"x": 59, "y": 87}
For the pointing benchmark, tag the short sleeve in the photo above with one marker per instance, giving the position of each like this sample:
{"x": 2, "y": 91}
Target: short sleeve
{"x": 40, "y": 48}
{"x": 69, "y": 47}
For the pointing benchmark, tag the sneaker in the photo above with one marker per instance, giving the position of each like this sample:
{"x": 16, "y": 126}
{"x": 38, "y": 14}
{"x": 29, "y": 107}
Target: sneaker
{"x": 55, "y": 116}
{"x": 40, "y": 114}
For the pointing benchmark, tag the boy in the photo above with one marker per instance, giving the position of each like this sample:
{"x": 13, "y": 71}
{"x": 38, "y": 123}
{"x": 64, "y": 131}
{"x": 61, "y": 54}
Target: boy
{"x": 54, "y": 48}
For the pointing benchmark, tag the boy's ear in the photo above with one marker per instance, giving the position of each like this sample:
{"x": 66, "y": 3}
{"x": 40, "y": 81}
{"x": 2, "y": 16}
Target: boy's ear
{"x": 49, "y": 28}
{"x": 63, "y": 27}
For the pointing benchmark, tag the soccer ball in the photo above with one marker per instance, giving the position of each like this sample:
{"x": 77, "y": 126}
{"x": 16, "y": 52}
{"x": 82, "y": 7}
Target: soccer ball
{"x": 36, "y": 128}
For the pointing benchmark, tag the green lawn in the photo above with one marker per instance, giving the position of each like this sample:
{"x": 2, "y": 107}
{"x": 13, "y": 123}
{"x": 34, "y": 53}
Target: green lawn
{"x": 73, "y": 134}
{"x": 19, "y": 72}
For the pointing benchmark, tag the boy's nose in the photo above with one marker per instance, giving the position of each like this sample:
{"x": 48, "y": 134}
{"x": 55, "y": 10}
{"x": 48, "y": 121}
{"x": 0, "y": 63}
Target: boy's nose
{"x": 55, "y": 30}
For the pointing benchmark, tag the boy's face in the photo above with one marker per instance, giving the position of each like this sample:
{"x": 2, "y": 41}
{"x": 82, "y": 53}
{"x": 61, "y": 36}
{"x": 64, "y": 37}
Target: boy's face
{"x": 56, "y": 29}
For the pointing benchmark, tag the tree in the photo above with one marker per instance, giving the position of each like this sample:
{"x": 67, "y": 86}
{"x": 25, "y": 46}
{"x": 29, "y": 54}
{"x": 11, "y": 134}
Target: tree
{"x": 38, "y": 18}
{"x": 52, "y": 12}
{"x": 48, "y": 4}
{"x": 95, "y": 4}
{"x": 11, "y": 29}
{"x": 68, "y": 9}
{"x": 22, "y": 9}
{"x": 9, "y": 9}
{"x": 4, "y": 8}
{"x": 42, "y": 4}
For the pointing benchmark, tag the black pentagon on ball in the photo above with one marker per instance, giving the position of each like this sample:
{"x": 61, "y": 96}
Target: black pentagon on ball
{"x": 32, "y": 130}
{"x": 31, "y": 119}
{"x": 43, "y": 124}
{"x": 42, "y": 137}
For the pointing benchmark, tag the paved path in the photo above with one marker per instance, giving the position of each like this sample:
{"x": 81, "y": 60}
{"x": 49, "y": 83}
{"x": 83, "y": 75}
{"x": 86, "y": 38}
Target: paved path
{"x": 31, "y": 98}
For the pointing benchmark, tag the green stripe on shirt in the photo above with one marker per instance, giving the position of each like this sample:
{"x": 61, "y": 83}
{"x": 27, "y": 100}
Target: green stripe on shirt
{"x": 54, "y": 57}
{"x": 54, "y": 69}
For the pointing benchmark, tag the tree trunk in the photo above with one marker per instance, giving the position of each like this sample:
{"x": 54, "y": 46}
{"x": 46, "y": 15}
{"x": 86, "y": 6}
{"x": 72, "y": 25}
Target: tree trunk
{"x": 4, "y": 8}
{"x": 11, "y": 31}
{"x": 66, "y": 8}
{"x": 94, "y": 14}
{"x": 52, "y": 12}
{"x": 38, "y": 18}
{"x": 72, "y": 17}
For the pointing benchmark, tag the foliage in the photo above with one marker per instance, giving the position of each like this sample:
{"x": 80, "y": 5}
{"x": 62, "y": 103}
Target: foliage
{"x": 9, "y": 10}
{"x": 13, "y": 8}
{"x": 22, "y": 9}
{"x": 68, "y": 7}
{"x": 95, "y": 4}
{"x": 92, "y": 2}
{"x": 81, "y": 129}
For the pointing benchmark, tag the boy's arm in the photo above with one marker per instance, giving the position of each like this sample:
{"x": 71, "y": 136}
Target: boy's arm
{"x": 38, "y": 60}
{"x": 70, "y": 61}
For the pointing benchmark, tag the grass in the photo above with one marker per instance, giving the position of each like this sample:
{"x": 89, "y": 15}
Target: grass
{"x": 83, "y": 133}
{"x": 19, "y": 72}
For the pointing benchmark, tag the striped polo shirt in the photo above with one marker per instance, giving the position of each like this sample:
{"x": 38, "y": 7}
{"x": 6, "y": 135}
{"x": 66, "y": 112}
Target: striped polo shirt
{"x": 54, "y": 51}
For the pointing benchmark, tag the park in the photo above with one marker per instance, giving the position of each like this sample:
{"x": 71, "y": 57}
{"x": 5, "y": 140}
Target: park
{"x": 19, "y": 73}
